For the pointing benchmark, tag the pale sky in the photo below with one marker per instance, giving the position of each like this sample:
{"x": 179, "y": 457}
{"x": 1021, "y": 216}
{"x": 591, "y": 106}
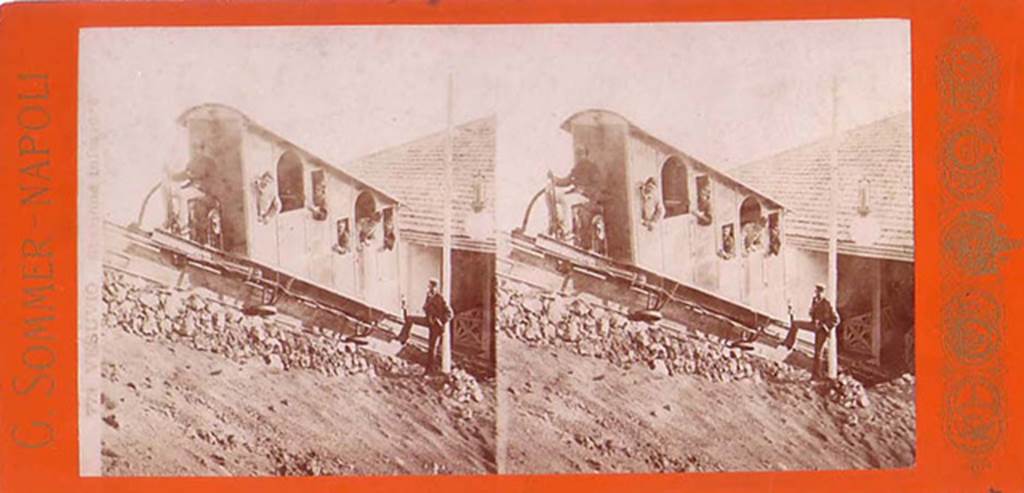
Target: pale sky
{"x": 726, "y": 93}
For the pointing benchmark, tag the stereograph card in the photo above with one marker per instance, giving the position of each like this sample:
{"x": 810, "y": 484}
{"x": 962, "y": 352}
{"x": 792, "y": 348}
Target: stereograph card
{"x": 719, "y": 246}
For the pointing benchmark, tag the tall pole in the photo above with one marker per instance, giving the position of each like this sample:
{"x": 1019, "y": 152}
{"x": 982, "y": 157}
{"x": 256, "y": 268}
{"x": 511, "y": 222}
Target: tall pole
{"x": 446, "y": 241}
{"x": 833, "y": 231}
{"x": 876, "y": 312}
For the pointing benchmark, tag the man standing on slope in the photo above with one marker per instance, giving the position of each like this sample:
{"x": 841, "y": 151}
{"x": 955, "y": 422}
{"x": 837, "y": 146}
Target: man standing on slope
{"x": 437, "y": 314}
{"x": 824, "y": 318}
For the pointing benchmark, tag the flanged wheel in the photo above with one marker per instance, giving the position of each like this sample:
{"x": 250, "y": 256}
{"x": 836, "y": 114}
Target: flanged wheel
{"x": 649, "y": 316}
{"x": 260, "y": 310}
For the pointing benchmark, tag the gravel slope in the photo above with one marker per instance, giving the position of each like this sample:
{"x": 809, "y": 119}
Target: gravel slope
{"x": 173, "y": 410}
{"x": 568, "y": 412}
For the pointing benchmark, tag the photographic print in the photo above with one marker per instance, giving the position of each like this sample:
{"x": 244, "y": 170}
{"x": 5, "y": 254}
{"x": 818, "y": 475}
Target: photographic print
{"x": 510, "y": 246}
{"x": 499, "y": 249}
{"x": 709, "y": 264}
{"x": 297, "y": 257}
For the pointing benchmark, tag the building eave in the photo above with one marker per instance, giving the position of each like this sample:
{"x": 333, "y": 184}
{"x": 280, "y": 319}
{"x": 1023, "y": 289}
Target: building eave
{"x": 877, "y": 251}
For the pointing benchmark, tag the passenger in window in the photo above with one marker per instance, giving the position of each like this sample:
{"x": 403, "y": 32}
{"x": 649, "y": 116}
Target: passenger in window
{"x": 580, "y": 226}
{"x": 197, "y": 219}
{"x": 389, "y": 229}
{"x": 588, "y": 232}
{"x": 267, "y": 202}
{"x": 651, "y": 211}
{"x": 774, "y": 236}
{"x": 343, "y": 245}
{"x": 752, "y": 232}
{"x": 319, "y": 206}
{"x": 703, "y": 201}
{"x": 319, "y": 212}
{"x": 367, "y": 227}
{"x": 599, "y": 239}
{"x": 214, "y": 233}
{"x": 728, "y": 242}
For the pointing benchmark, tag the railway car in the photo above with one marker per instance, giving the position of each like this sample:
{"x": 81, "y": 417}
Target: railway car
{"x": 677, "y": 226}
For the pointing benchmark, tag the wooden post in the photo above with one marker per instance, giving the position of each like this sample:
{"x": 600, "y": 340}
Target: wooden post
{"x": 446, "y": 246}
{"x": 876, "y": 312}
{"x": 833, "y": 229}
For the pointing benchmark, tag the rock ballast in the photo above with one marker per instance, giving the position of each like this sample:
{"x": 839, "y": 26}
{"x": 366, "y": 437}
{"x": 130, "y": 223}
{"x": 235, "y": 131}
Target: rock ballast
{"x": 193, "y": 318}
{"x": 543, "y": 318}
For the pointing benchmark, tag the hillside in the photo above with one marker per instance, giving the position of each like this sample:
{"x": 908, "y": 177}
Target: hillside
{"x": 171, "y": 410}
{"x": 582, "y": 388}
{"x": 567, "y": 412}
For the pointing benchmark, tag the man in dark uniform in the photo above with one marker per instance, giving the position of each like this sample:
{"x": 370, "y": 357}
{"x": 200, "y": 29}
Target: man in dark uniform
{"x": 824, "y": 318}
{"x": 437, "y": 314}
{"x": 198, "y": 170}
{"x": 585, "y": 177}
{"x": 183, "y": 191}
{"x": 586, "y": 180}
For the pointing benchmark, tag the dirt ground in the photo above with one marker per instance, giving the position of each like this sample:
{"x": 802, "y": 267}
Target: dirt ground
{"x": 572, "y": 413}
{"x": 172, "y": 410}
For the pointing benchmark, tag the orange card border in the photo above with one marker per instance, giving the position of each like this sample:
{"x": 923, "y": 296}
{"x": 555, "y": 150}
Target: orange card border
{"x": 965, "y": 219}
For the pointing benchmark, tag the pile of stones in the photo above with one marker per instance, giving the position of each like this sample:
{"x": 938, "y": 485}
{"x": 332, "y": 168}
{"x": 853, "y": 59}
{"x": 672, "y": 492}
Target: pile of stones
{"x": 542, "y": 318}
{"x": 387, "y": 365}
{"x": 782, "y": 372}
{"x": 904, "y": 384}
{"x": 309, "y": 463}
{"x": 462, "y": 387}
{"x": 154, "y": 311}
{"x": 848, "y": 392}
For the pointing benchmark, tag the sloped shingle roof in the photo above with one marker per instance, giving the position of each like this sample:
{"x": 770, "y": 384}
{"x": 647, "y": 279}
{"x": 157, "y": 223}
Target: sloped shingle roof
{"x": 414, "y": 171}
{"x": 879, "y": 151}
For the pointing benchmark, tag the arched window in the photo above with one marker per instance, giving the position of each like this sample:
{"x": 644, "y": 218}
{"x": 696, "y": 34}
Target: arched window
{"x": 366, "y": 217}
{"x": 289, "y": 182}
{"x": 750, "y": 211}
{"x": 675, "y": 191}
{"x": 752, "y": 223}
